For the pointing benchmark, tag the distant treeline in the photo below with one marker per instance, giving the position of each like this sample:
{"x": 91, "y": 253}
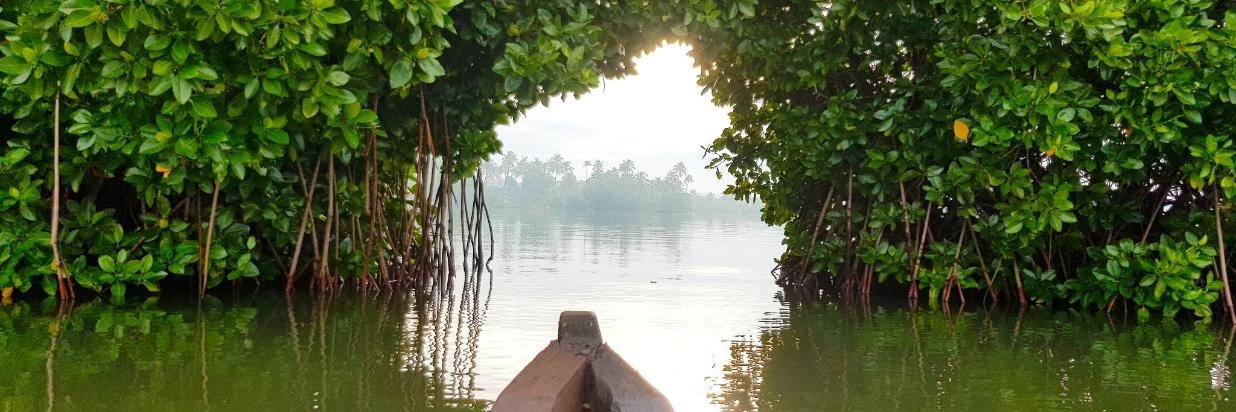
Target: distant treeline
{"x": 517, "y": 182}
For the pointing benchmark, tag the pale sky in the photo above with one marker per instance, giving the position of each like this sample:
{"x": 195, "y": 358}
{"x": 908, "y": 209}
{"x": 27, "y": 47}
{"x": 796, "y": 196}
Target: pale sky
{"x": 656, "y": 118}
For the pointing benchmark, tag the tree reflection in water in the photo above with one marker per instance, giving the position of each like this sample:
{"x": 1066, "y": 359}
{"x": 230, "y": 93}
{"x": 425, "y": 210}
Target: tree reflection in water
{"x": 264, "y": 352}
{"x": 860, "y": 357}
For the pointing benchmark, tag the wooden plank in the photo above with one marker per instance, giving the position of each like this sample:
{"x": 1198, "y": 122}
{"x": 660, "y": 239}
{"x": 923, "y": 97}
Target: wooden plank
{"x": 553, "y": 381}
{"x": 617, "y": 387}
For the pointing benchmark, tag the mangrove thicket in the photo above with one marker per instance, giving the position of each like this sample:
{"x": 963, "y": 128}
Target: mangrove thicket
{"x": 1043, "y": 152}
{"x": 211, "y": 142}
{"x": 1037, "y": 151}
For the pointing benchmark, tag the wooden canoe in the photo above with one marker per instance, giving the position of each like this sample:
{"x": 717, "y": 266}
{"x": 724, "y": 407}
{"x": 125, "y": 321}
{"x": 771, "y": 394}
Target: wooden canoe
{"x": 579, "y": 372}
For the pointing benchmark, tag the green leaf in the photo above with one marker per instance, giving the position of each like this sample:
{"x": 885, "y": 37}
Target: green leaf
{"x": 205, "y": 27}
{"x": 150, "y": 145}
{"x": 80, "y": 18}
{"x": 309, "y": 108}
{"x": 401, "y": 74}
{"x": 1186, "y": 97}
{"x": 85, "y": 142}
{"x": 71, "y": 49}
{"x": 1066, "y": 115}
{"x": 313, "y": 49}
{"x": 366, "y": 117}
{"x": 113, "y": 69}
{"x": 351, "y": 136}
{"x": 338, "y": 78}
{"x": 186, "y": 147}
{"x": 70, "y": 77}
{"x": 156, "y": 42}
{"x": 161, "y": 84}
{"x": 336, "y": 15}
{"x": 161, "y": 67}
{"x": 432, "y": 67}
{"x": 204, "y": 109}
{"x": 273, "y": 36}
{"x": 251, "y": 88}
{"x": 512, "y": 83}
{"x": 107, "y": 264}
{"x": 94, "y": 36}
{"x": 116, "y": 33}
{"x": 746, "y": 8}
{"x": 13, "y": 65}
{"x": 248, "y": 270}
{"x": 1194, "y": 116}
{"x": 206, "y": 73}
{"x": 180, "y": 52}
{"x": 278, "y": 136}
{"x": 218, "y": 252}
{"x": 182, "y": 90}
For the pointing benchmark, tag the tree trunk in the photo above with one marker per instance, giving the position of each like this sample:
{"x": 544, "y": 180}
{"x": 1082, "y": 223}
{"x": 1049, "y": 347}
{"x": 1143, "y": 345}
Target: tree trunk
{"x": 210, "y": 235}
{"x": 1227, "y": 290}
{"x": 63, "y": 288}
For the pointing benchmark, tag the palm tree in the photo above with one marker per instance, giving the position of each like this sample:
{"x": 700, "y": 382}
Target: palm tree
{"x": 491, "y": 173}
{"x": 626, "y": 168}
{"x": 598, "y": 167}
{"x": 509, "y": 162}
{"x": 679, "y": 174}
{"x": 559, "y": 167}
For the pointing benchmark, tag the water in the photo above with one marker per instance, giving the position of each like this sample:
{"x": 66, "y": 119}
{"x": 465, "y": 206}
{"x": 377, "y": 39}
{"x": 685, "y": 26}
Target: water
{"x": 687, "y": 300}
{"x": 669, "y": 291}
{"x": 863, "y": 358}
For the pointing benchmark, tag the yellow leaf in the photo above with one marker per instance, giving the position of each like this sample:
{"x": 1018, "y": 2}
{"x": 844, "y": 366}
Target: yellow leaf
{"x": 163, "y": 135}
{"x": 1054, "y": 86}
{"x": 166, "y": 171}
{"x": 7, "y": 293}
{"x": 961, "y": 130}
{"x": 1050, "y": 152}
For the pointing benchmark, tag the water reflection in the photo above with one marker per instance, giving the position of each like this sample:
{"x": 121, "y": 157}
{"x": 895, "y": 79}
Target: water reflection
{"x": 670, "y": 291}
{"x": 564, "y": 237}
{"x": 255, "y": 353}
{"x": 856, "y": 357}
{"x": 686, "y": 300}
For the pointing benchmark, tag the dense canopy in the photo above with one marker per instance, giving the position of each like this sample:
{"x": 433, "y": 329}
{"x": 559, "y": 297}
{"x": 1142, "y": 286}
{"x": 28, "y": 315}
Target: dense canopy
{"x": 221, "y": 140}
{"x": 1042, "y": 151}
{"x": 1049, "y": 151}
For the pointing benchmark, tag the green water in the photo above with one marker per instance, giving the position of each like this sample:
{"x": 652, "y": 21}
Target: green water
{"x": 687, "y": 300}
{"x": 851, "y": 357}
{"x": 342, "y": 355}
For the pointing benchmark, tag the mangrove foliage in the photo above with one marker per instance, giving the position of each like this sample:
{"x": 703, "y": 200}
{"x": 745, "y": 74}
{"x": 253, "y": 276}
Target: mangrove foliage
{"x": 1044, "y": 152}
{"x": 204, "y": 142}
{"x": 1039, "y": 151}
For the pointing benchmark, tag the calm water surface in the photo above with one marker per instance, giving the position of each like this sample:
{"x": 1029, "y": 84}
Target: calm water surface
{"x": 687, "y": 300}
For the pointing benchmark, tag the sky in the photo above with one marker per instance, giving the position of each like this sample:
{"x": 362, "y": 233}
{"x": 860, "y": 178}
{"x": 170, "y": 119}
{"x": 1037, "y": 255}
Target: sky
{"x": 656, "y": 117}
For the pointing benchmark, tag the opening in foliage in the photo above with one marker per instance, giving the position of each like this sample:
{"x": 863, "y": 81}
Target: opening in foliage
{"x": 1039, "y": 151}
